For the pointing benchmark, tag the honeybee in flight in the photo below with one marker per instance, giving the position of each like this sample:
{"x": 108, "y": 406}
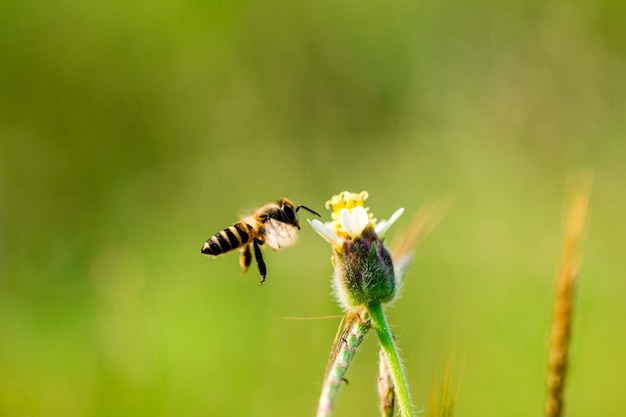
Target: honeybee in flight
{"x": 273, "y": 223}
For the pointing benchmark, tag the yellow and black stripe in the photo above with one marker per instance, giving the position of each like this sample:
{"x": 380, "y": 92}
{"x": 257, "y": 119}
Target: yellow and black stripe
{"x": 228, "y": 239}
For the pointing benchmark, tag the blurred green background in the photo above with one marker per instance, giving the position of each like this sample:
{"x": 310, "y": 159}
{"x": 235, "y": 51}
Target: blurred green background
{"x": 130, "y": 132}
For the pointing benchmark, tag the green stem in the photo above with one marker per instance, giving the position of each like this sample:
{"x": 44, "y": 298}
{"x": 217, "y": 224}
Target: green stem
{"x": 379, "y": 322}
{"x": 343, "y": 352}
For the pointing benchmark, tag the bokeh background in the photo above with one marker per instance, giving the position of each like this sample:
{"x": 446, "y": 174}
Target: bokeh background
{"x": 131, "y": 131}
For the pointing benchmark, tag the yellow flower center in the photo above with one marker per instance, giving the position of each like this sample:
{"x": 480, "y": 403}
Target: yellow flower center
{"x": 348, "y": 201}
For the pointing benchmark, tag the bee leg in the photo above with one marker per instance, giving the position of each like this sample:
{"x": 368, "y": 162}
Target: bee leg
{"x": 245, "y": 259}
{"x": 259, "y": 260}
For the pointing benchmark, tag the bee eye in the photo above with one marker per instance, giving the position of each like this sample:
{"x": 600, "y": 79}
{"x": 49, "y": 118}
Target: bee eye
{"x": 289, "y": 213}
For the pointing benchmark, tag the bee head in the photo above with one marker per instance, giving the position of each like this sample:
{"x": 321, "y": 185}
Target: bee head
{"x": 290, "y": 211}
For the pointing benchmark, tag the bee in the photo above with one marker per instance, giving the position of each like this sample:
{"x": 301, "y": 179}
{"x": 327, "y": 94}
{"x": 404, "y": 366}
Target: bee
{"x": 273, "y": 223}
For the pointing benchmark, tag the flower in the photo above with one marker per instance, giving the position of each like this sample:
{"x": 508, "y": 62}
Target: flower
{"x": 364, "y": 271}
{"x": 350, "y": 219}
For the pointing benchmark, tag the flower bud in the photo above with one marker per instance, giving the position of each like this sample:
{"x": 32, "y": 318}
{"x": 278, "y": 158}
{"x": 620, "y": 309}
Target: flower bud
{"x": 364, "y": 271}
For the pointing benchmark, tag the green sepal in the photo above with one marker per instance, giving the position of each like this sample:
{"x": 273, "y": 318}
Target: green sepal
{"x": 365, "y": 276}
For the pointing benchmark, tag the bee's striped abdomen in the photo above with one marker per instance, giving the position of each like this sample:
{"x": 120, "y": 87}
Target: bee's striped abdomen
{"x": 228, "y": 239}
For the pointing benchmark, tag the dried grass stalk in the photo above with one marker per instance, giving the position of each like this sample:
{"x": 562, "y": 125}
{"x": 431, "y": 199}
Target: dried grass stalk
{"x": 564, "y": 299}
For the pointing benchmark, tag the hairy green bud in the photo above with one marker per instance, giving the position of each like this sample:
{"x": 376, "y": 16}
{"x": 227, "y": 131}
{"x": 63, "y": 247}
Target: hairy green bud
{"x": 364, "y": 271}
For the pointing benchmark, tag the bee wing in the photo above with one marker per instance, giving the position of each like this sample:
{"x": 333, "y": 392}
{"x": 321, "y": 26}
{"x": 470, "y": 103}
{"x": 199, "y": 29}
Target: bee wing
{"x": 279, "y": 234}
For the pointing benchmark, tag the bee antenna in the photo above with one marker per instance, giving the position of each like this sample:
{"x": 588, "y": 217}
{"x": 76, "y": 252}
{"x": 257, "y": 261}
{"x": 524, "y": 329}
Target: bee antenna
{"x": 308, "y": 209}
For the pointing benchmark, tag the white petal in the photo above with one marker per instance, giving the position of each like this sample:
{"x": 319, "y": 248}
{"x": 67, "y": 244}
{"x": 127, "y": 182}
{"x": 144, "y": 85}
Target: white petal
{"x": 361, "y": 219}
{"x": 381, "y": 225}
{"x": 326, "y": 232}
{"x": 353, "y": 223}
{"x": 345, "y": 221}
{"x": 384, "y": 225}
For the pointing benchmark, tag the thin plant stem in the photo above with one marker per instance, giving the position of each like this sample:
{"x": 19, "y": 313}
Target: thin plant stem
{"x": 386, "y": 390}
{"x": 344, "y": 350}
{"x": 379, "y": 322}
{"x": 443, "y": 399}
